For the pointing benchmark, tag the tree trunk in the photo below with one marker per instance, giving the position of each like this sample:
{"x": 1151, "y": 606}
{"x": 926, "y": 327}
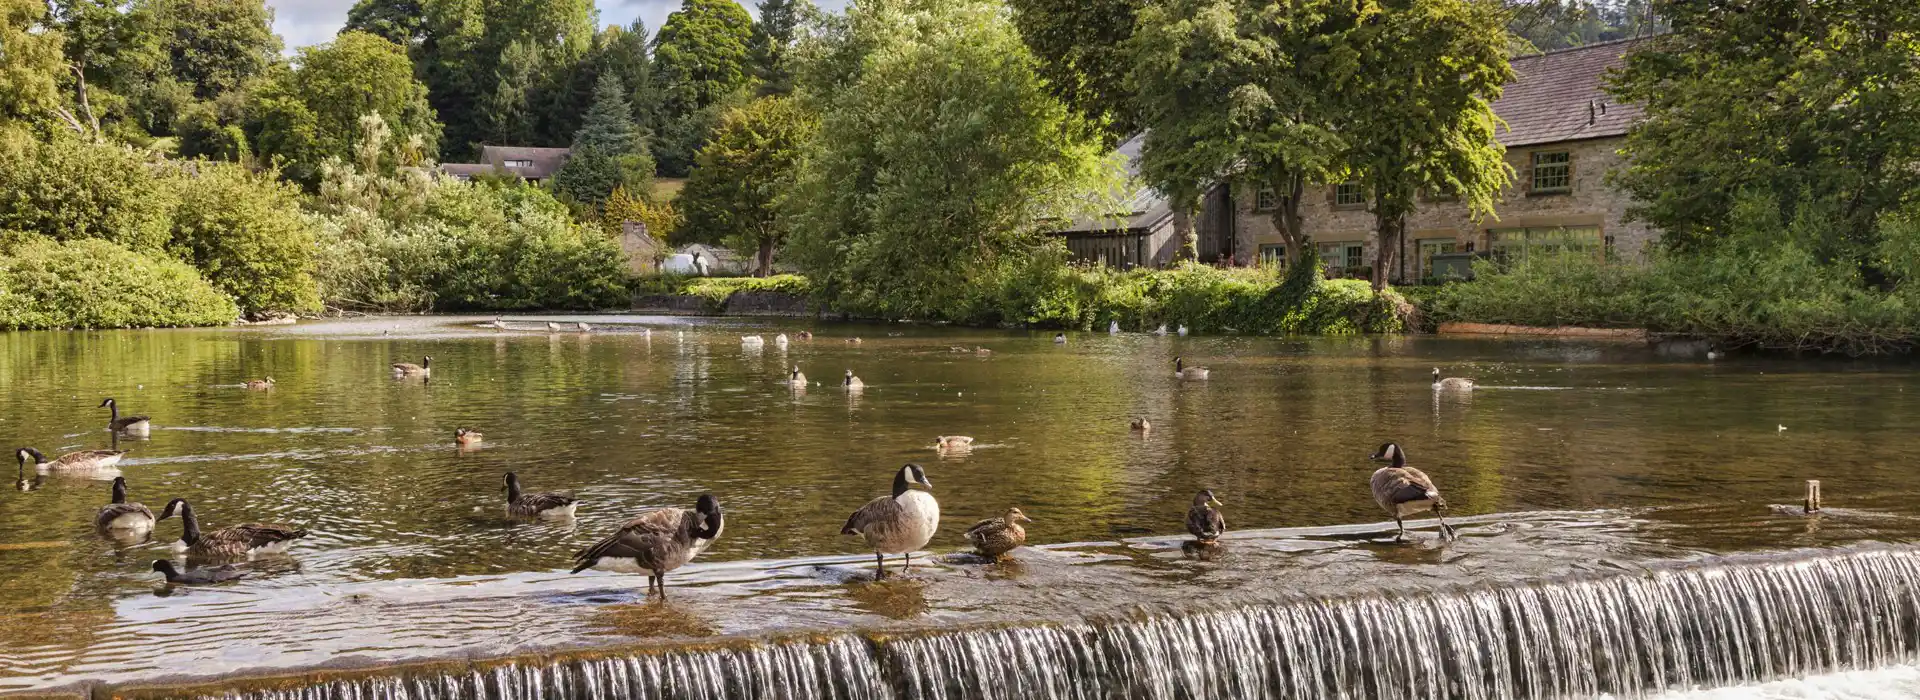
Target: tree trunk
{"x": 1392, "y": 228}
{"x": 1289, "y": 191}
{"x": 766, "y": 259}
{"x": 1183, "y": 229}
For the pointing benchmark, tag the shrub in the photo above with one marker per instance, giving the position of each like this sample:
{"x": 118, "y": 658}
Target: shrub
{"x": 66, "y": 189}
{"x": 246, "y": 234}
{"x": 99, "y": 284}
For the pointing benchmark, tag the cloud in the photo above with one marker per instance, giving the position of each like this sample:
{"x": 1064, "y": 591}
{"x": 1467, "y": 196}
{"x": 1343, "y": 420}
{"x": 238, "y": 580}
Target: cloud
{"x": 309, "y": 22}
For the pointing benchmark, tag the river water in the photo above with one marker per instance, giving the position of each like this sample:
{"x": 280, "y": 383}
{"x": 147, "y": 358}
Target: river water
{"x": 1620, "y": 528}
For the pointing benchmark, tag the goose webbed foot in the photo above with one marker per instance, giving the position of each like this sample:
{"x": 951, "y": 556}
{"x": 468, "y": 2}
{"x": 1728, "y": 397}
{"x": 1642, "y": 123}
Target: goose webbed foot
{"x": 879, "y": 566}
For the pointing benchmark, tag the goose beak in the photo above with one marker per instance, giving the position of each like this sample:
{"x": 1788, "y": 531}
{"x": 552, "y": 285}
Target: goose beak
{"x": 1215, "y": 503}
{"x": 924, "y": 481}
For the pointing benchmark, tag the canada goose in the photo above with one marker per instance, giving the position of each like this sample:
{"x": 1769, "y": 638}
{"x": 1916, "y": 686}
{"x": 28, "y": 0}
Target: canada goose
{"x": 200, "y": 576}
{"x": 1450, "y": 383}
{"x": 953, "y": 443}
{"x": 408, "y": 368}
{"x": 1140, "y": 423}
{"x": 260, "y": 384}
{"x": 796, "y": 378}
{"x": 230, "y": 542}
{"x": 982, "y": 351}
{"x": 1059, "y": 339}
{"x": 582, "y": 326}
{"x": 467, "y": 438}
{"x": 1402, "y": 491}
{"x": 498, "y": 325}
{"x": 72, "y": 462}
{"x": 780, "y": 340}
{"x": 131, "y": 425}
{"x": 1182, "y": 371}
{"x": 900, "y": 523}
{"x": 852, "y": 383}
{"x": 957, "y": 348}
{"x": 853, "y": 341}
{"x": 657, "y": 542}
{"x": 544, "y": 505}
{"x": 752, "y": 340}
{"x": 553, "y": 327}
{"x": 118, "y": 514}
{"x": 1204, "y": 520}
{"x": 1714, "y": 354}
{"x": 994, "y": 537}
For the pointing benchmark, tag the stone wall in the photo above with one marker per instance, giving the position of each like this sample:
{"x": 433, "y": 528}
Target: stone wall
{"x": 1590, "y": 203}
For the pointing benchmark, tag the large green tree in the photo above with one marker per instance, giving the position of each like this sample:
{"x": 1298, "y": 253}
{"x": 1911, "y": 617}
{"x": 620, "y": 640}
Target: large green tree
{"x": 398, "y": 21}
{"x": 700, "y": 58}
{"x": 940, "y": 161}
{"x": 732, "y": 195}
{"x": 610, "y": 151}
{"x": 1081, "y": 45}
{"x": 1812, "y": 105}
{"x": 214, "y": 46}
{"x": 772, "y": 43}
{"x": 314, "y": 112}
{"x": 460, "y": 48}
{"x": 1420, "y": 111}
{"x": 30, "y": 62}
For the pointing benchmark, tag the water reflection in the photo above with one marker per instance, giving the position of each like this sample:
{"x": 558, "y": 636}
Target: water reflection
{"x": 899, "y": 597}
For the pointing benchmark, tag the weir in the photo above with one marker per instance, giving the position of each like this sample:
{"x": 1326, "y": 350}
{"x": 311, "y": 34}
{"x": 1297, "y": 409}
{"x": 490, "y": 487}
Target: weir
{"x": 1677, "y": 624}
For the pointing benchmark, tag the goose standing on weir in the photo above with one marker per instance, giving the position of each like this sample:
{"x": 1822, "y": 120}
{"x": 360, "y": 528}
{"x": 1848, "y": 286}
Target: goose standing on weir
{"x": 404, "y": 369}
{"x": 656, "y": 542}
{"x": 118, "y": 514}
{"x": 1402, "y": 491}
{"x": 900, "y": 523}
{"x": 130, "y": 425}
{"x": 230, "y": 542}
{"x": 538, "y": 505}
{"x": 1450, "y": 383}
{"x": 1204, "y": 520}
{"x": 72, "y": 462}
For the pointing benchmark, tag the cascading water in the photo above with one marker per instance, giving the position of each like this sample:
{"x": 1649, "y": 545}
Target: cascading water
{"x": 1710, "y": 624}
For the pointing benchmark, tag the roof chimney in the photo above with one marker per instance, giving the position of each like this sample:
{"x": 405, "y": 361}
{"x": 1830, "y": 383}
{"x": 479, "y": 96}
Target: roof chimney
{"x": 1591, "y": 111}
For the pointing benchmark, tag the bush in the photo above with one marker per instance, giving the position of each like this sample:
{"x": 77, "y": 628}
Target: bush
{"x": 98, "y": 284}
{"x": 68, "y": 190}
{"x": 247, "y": 235}
{"x": 714, "y": 291}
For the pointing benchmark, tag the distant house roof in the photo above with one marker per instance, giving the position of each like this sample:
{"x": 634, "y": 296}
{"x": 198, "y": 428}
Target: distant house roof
{"x": 1141, "y": 208}
{"x": 525, "y": 161}
{"x": 465, "y": 170}
{"x": 1561, "y": 96}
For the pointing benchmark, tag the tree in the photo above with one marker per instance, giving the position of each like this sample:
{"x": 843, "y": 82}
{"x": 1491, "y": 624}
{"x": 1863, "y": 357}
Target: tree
{"x": 1814, "y": 107}
{"x": 398, "y": 21}
{"x": 699, "y": 59}
{"x": 1421, "y": 111}
{"x": 940, "y": 160}
{"x": 509, "y": 110}
{"x": 1081, "y": 46}
{"x": 1244, "y": 91}
{"x": 731, "y": 197}
{"x": 1546, "y": 25}
{"x": 772, "y": 42}
{"x": 608, "y": 152}
{"x": 214, "y": 46}
{"x": 30, "y": 63}
{"x": 314, "y": 112}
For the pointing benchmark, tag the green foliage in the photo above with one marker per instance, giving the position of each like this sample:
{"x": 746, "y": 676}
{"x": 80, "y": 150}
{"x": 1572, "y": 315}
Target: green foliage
{"x": 246, "y": 234}
{"x": 1546, "y": 25}
{"x": 314, "y": 112}
{"x": 714, "y": 291}
{"x": 30, "y": 64}
{"x": 731, "y": 197}
{"x": 96, "y": 284}
{"x": 398, "y": 21}
{"x": 609, "y": 151}
{"x": 772, "y": 42}
{"x": 459, "y": 52}
{"x": 1817, "y": 106}
{"x": 1206, "y": 299}
{"x": 214, "y": 46}
{"x": 699, "y": 59}
{"x": 67, "y": 189}
{"x": 1083, "y": 56}
{"x": 938, "y": 163}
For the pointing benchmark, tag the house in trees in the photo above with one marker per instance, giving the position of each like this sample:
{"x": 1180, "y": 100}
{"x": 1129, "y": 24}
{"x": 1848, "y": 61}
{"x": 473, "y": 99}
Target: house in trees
{"x": 1563, "y": 133}
{"x": 1140, "y": 230}
{"x": 529, "y": 163}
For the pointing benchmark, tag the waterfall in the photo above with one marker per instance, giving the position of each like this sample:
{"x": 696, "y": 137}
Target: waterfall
{"x": 1698, "y": 624}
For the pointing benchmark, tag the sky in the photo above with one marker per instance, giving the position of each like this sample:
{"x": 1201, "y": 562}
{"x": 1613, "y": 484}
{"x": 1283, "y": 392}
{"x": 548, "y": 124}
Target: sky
{"x": 308, "y": 22}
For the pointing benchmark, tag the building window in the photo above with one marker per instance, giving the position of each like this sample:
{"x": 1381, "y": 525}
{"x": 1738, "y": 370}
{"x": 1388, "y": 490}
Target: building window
{"x": 1342, "y": 258}
{"x": 1552, "y": 172}
{"x": 1522, "y": 244}
{"x": 1349, "y": 194}
{"x": 519, "y": 164}
{"x": 1429, "y": 247}
{"x": 1273, "y": 254}
{"x": 1264, "y": 199}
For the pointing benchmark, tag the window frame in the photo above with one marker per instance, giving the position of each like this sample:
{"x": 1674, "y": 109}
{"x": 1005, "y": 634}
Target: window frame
{"x": 518, "y": 163}
{"x": 1564, "y": 167}
{"x": 1355, "y": 189}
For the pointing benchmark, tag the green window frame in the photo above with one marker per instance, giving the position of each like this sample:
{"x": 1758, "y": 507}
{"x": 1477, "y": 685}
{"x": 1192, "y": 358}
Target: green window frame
{"x": 1552, "y": 172}
{"x": 1429, "y": 247}
{"x": 1349, "y": 194}
{"x": 1264, "y": 199}
{"x": 1518, "y": 245}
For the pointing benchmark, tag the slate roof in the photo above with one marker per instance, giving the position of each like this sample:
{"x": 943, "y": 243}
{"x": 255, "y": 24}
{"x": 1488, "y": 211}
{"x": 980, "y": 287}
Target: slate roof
{"x": 1561, "y": 96}
{"x": 467, "y": 170}
{"x": 1141, "y": 207}
{"x": 494, "y": 158}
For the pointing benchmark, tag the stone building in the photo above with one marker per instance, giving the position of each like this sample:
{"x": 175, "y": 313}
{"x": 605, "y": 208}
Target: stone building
{"x": 529, "y": 163}
{"x": 1562, "y": 133}
{"x": 1139, "y": 232}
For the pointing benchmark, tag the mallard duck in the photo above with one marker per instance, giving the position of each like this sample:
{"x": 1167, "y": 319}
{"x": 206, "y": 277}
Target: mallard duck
{"x": 1402, "y": 491}
{"x": 900, "y": 523}
{"x": 994, "y": 537}
{"x": 957, "y": 348}
{"x": 806, "y": 335}
{"x": 226, "y": 543}
{"x": 467, "y": 438}
{"x": 1059, "y": 339}
{"x": 1192, "y": 374}
{"x": 656, "y": 542}
{"x": 72, "y": 462}
{"x": 131, "y": 425}
{"x": 852, "y": 383}
{"x": 795, "y": 378}
{"x": 545, "y": 505}
{"x": 195, "y": 577}
{"x": 1139, "y": 423}
{"x": 260, "y": 384}
{"x": 408, "y": 368}
{"x": 1450, "y": 383}
{"x": 953, "y": 443}
{"x": 118, "y": 514}
{"x": 853, "y": 341}
{"x": 1204, "y": 520}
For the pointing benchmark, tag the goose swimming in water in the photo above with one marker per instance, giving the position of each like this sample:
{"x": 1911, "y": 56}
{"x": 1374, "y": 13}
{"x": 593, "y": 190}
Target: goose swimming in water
{"x": 780, "y": 341}
{"x": 852, "y": 383}
{"x": 994, "y": 537}
{"x": 467, "y": 438}
{"x": 1140, "y": 424}
{"x": 72, "y": 462}
{"x": 1059, "y": 339}
{"x": 131, "y": 425}
{"x": 1450, "y": 383}
{"x": 1204, "y": 520}
{"x": 953, "y": 443}
{"x": 231, "y": 542}
{"x": 410, "y": 369}
{"x": 540, "y": 505}
{"x": 260, "y": 384}
{"x": 195, "y": 577}
{"x": 1402, "y": 491}
{"x": 796, "y": 378}
{"x": 1192, "y": 374}
{"x": 656, "y": 542}
{"x": 118, "y": 514}
{"x": 900, "y": 523}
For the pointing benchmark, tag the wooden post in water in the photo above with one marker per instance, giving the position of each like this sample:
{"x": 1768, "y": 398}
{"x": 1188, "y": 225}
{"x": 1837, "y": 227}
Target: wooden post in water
{"x": 1813, "y": 496}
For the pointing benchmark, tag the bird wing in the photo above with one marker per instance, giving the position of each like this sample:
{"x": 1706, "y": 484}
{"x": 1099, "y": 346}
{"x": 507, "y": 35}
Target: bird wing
{"x": 644, "y": 538}
{"x": 1206, "y": 522}
{"x": 74, "y": 459}
{"x": 405, "y": 367}
{"x": 544, "y": 501}
{"x": 113, "y": 511}
{"x": 254, "y": 535}
{"x": 881, "y": 509}
{"x": 1405, "y": 484}
{"x": 986, "y": 528}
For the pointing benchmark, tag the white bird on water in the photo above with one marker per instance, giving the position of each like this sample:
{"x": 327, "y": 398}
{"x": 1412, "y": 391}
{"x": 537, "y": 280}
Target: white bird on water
{"x": 1113, "y": 328}
{"x": 780, "y": 340}
{"x": 1162, "y": 330}
{"x": 1183, "y": 330}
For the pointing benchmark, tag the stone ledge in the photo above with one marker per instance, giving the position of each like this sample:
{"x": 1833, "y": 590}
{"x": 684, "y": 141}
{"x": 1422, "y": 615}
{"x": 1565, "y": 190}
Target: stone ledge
{"x": 1633, "y": 335}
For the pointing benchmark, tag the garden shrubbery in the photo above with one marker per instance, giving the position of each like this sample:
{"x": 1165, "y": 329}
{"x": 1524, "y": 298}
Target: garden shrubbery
{"x": 91, "y": 283}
